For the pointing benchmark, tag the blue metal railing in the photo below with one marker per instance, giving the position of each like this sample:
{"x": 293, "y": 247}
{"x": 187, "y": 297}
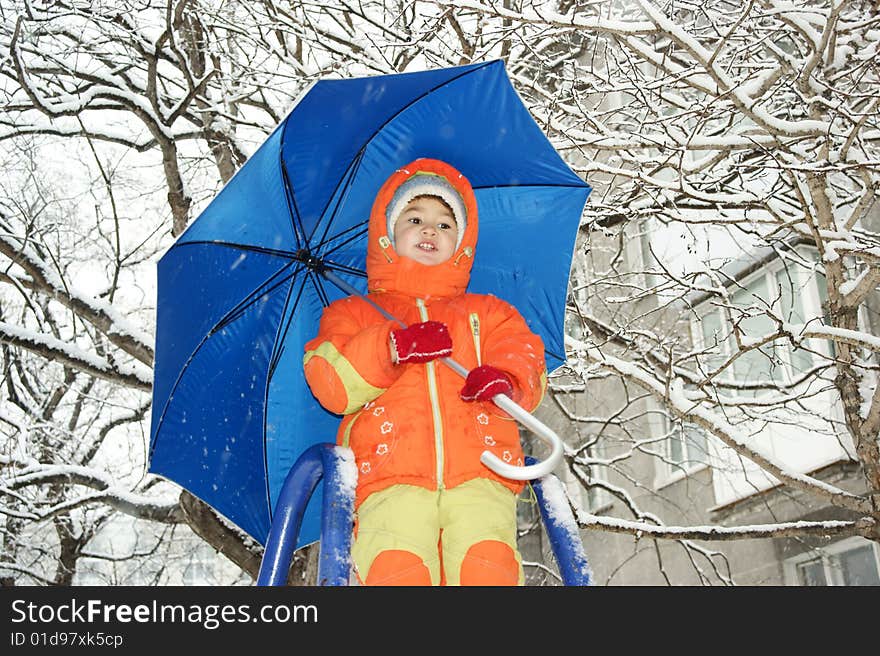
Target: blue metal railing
{"x": 562, "y": 530}
{"x": 336, "y": 466}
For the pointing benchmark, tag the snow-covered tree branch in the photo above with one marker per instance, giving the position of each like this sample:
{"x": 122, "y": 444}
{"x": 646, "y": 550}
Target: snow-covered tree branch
{"x": 723, "y": 309}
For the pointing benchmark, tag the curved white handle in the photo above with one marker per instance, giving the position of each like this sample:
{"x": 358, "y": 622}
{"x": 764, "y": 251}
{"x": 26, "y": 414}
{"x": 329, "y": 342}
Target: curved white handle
{"x": 493, "y": 462}
{"x": 529, "y": 472}
{"x": 544, "y": 432}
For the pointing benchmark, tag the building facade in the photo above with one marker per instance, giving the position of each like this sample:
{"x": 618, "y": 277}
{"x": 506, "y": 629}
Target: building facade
{"x": 640, "y": 463}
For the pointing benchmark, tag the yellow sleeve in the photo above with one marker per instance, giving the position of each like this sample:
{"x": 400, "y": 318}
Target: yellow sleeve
{"x": 349, "y": 363}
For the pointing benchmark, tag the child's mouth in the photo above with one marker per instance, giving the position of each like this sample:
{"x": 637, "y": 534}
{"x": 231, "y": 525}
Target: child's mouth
{"x": 426, "y": 246}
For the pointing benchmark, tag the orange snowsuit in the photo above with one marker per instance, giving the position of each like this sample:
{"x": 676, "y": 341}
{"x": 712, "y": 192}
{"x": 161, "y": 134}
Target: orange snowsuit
{"x": 406, "y": 423}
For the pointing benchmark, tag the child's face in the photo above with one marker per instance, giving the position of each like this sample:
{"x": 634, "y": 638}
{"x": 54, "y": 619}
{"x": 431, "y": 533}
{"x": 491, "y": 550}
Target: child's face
{"x": 426, "y": 231}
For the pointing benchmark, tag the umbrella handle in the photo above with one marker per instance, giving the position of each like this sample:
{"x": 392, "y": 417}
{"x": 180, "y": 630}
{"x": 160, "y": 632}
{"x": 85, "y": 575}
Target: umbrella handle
{"x": 544, "y": 432}
{"x": 493, "y": 462}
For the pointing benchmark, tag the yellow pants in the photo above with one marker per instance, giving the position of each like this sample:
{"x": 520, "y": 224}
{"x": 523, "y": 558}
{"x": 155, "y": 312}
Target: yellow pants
{"x": 408, "y": 535}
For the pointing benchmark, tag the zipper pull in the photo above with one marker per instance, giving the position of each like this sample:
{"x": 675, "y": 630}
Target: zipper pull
{"x": 384, "y": 244}
{"x": 475, "y": 324}
{"x": 467, "y": 252}
{"x": 474, "y": 320}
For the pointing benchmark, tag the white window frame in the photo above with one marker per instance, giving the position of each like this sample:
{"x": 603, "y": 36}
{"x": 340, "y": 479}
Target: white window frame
{"x": 602, "y": 499}
{"x": 636, "y": 248}
{"x": 670, "y": 472}
{"x": 737, "y": 486}
{"x": 200, "y": 566}
{"x": 811, "y": 304}
{"x": 828, "y": 556}
{"x": 807, "y": 292}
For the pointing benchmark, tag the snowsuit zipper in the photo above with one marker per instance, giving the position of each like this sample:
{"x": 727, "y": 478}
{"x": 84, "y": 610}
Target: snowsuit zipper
{"x": 431, "y": 372}
{"x": 474, "y": 320}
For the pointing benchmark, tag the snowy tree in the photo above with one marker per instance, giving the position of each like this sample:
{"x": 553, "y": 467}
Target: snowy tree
{"x": 744, "y": 129}
{"x": 747, "y": 132}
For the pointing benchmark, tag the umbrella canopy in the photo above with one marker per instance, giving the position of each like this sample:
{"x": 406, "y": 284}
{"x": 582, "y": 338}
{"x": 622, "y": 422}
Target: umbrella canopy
{"x": 239, "y": 293}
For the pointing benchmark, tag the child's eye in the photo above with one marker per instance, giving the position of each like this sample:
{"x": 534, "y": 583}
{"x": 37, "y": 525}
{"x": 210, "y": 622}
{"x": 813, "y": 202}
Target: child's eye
{"x": 415, "y": 220}
{"x": 444, "y": 226}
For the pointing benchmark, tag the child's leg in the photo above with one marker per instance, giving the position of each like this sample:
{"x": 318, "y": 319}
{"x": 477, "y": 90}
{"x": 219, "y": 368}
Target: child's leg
{"x": 479, "y": 534}
{"x": 396, "y": 535}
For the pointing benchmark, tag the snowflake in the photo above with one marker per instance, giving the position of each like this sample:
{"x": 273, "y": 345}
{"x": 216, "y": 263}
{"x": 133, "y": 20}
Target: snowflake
{"x": 381, "y": 449}
{"x": 378, "y": 411}
{"x": 489, "y": 440}
{"x": 365, "y": 468}
{"x": 483, "y": 418}
{"x": 386, "y": 427}
{"x": 507, "y": 456}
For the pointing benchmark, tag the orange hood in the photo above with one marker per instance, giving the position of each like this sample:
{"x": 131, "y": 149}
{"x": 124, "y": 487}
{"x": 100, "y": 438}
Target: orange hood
{"x": 388, "y": 272}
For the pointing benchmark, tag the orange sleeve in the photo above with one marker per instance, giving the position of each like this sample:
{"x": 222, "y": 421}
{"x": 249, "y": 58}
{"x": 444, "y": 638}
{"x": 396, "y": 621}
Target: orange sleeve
{"x": 511, "y": 346}
{"x": 349, "y": 363}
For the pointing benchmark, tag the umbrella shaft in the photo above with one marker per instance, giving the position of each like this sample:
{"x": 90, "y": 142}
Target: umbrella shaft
{"x": 349, "y": 289}
{"x": 525, "y": 418}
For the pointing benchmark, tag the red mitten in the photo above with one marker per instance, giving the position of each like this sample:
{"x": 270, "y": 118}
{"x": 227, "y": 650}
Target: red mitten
{"x": 485, "y": 382}
{"x": 420, "y": 342}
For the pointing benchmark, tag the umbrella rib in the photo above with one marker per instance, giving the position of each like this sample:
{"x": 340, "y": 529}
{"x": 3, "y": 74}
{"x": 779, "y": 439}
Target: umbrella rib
{"x": 425, "y": 94}
{"x": 282, "y": 333}
{"x": 358, "y": 158}
{"x": 555, "y": 355}
{"x": 230, "y": 316}
{"x": 242, "y": 247}
{"x": 535, "y": 186}
{"x": 290, "y": 311}
{"x": 334, "y": 266}
{"x": 342, "y": 187}
{"x": 299, "y": 231}
{"x": 249, "y": 300}
{"x": 363, "y": 229}
{"x": 319, "y": 287}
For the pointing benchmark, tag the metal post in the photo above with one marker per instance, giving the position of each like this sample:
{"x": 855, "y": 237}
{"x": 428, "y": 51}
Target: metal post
{"x": 331, "y": 463}
{"x": 562, "y": 531}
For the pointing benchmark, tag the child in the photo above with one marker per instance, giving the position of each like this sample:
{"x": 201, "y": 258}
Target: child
{"x": 428, "y": 512}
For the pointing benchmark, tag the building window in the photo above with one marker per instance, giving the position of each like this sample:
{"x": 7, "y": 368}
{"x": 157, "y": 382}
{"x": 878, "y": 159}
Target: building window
{"x": 199, "y": 569}
{"x": 685, "y": 449}
{"x": 854, "y": 561}
{"x": 686, "y": 446}
{"x": 764, "y": 363}
{"x": 597, "y": 498}
{"x": 573, "y": 324}
{"x": 792, "y": 293}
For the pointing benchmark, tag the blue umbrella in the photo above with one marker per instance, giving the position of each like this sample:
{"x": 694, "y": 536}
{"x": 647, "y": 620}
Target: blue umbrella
{"x": 240, "y": 292}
